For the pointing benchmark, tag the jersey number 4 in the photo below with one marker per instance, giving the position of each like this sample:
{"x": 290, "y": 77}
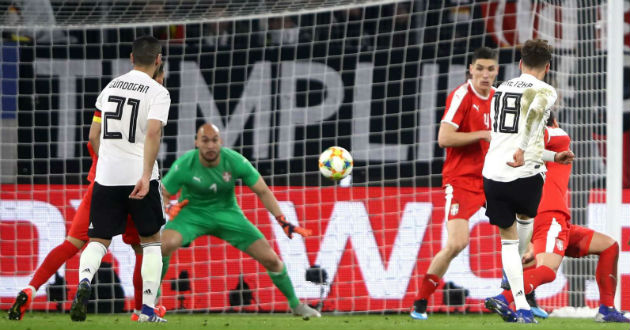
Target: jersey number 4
{"x": 507, "y": 110}
{"x": 133, "y": 119}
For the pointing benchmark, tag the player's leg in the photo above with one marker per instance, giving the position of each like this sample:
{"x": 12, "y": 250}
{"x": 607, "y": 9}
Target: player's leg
{"x": 233, "y": 227}
{"x": 148, "y": 219}
{"x": 262, "y": 252}
{"x": 182, "y": 231}
{"x": 131, "y": 237}
{"x": 501, "y": 211}
{"x": 77, "y": 236}
{"x": 550, "y": 242}
{"x": 458, "y": 238}
{"x": 584, "y": 241}
{"x": 107, "y": 219}
{"x": 460, "y": 205}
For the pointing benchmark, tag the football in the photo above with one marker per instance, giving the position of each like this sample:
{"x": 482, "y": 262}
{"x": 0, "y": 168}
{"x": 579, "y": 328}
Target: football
{"x": 335, "y": 163}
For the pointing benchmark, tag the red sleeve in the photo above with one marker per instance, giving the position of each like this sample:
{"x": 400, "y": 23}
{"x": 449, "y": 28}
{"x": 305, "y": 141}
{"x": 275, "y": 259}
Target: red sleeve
{"x": 546, "y": 137}
{"x": 457, "y": 105}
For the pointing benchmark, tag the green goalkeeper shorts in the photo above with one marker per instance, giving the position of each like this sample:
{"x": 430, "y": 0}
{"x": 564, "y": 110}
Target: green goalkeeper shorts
{"x": 228, "y": 225}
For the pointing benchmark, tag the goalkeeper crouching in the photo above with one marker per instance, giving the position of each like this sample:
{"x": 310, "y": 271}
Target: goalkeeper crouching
{"x": 207, "y": 206}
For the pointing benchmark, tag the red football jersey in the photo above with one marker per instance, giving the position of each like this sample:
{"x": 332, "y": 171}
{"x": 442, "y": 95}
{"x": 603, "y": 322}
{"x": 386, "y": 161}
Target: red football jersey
{"x": 555, "y": 196}
{"x": 92, "y": 173}
{"x": 468, "y": 111}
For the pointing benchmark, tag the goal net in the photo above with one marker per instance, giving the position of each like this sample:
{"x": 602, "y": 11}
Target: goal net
{"x": 284, "y": 80}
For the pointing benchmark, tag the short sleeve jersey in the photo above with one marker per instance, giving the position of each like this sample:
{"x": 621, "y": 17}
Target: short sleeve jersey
{"x": 209, "y": 187}
{"x": 468, "y": 111}
{"x": 508, "y": 127}
{"x": 554, "y": 196}
{"x": 126, "y": 105}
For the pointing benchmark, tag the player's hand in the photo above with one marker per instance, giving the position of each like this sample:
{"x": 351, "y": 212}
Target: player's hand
{"x": 173, "y": 209}
{"x": 564, "y": 157}
{"x": 141, "y": 189}
{"x": 519, "y": 158}
{"x": 485, "y": 135}
{"x": 289, "y": 228}
{"x": 528, "y": 256}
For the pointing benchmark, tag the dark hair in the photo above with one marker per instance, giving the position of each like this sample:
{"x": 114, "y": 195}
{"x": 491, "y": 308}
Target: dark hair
{"x": 536, "y": 53}
{"x": 484, "y": 53}
{"x": 551, "y": 119}
{"x": 145, "y": 49}
{"x": 159, "y": 71}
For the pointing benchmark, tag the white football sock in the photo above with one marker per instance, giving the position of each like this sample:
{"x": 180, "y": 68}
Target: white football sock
{"x": 91, "y": 260}
{"x": 524, "y": 229}
{"x": 151, "y": 272}
{"x": 514, "y": 271}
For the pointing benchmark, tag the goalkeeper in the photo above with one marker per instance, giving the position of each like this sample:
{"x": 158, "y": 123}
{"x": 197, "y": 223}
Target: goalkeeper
{"x": 206, "y": 177}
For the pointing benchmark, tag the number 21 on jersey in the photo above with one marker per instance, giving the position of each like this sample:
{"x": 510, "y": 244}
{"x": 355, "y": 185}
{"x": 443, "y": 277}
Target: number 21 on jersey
{"x": 507, "y": 110}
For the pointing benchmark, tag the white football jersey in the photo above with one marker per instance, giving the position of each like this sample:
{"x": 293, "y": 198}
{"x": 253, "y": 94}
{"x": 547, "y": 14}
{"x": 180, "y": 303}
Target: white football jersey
{"x": 126, "y": 105}
{"x": 508, "y": 115}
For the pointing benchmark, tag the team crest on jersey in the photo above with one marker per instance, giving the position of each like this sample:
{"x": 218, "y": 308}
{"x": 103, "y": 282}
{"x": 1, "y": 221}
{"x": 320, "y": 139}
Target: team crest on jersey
{"x": 455, "y": 209}
{"x": 559, "y": 244}
{"x": 227, "y": 176}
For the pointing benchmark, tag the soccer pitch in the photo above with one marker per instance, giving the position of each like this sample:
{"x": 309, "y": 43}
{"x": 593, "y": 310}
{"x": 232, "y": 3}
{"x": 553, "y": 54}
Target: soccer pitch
{"x": 54, "y": 321}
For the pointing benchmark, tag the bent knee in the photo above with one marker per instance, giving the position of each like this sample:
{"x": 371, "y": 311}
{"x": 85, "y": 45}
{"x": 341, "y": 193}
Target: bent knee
{"x": 273, "y": 264}
{"x": 170, "y": 244}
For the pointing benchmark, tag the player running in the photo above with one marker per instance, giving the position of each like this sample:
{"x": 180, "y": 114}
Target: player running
{"x": 465, "y": 133}
{"x": 206, "y": 177}
{"x": 78, "y": 236}
{"x": 554, "y": 237}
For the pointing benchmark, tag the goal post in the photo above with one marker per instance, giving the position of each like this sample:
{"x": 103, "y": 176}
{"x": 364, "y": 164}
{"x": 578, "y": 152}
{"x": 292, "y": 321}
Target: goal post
{"x": 284, "y": 80}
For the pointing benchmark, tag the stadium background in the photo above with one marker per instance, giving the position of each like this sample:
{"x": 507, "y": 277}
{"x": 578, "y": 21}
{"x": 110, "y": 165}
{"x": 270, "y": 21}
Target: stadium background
{"x": 371, "y": 77}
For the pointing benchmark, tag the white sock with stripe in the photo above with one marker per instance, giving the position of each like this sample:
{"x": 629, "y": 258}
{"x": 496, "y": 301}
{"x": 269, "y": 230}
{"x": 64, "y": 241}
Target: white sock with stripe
{"x": 91, "y": 260}
{"x": 514, "y": 271}
{"x": 151, "y": 272}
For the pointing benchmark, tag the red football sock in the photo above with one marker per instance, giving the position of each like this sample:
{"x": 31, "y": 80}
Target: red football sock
{"x": 532, "y": 267}
{"x": 532, "y": 278}
{"x": 137, "y": 283}
{"x": 606, "y": 274}
{"x": 53, "y": 261}
{"x": 430, "y": 282}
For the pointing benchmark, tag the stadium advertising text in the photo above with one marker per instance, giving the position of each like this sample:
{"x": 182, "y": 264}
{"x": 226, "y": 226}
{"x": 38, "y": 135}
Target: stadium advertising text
{"x": 374, "y": 244}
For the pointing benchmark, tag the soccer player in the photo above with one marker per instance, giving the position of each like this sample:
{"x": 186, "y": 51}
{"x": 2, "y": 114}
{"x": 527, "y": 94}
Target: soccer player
{"x": 206, "y": 177}
{"x": 78, "y": 236}
{"x": 465, "y": 133}
{"x": 134, "y": 109}
{"x": 76, "y": 239}
{"x": 513, "y": 171}
{"x": 554, "y": 237}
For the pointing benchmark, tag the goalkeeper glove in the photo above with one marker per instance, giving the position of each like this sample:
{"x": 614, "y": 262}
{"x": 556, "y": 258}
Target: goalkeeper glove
{"x": 173, "y": 209}
{"x": 289, "y": 228}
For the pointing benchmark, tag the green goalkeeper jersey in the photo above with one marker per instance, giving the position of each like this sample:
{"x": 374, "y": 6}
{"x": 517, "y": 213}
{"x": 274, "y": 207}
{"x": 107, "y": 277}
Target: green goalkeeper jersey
{"x": 209, "y": 187}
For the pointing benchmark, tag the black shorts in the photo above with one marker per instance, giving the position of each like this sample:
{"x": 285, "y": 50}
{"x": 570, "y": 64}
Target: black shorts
{"x": 506, "y": 199}
{"x": 111, "y": 204}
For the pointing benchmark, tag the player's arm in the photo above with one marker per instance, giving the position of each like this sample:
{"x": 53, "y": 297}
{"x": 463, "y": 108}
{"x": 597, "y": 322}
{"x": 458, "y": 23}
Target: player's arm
{"x": 151, "y": 148}
{"x": 95, "y": 132}
{"x": 449, "y": 137}
{"x": 533, "y": 104}
{"x": 536, "y": 103}
{"x": 270, "y": 202}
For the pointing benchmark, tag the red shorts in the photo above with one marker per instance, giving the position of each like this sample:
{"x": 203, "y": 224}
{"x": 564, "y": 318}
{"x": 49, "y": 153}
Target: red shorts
{"x": 81, "y": 222}
{"x": 462, "y": 203}
{"x": 553, "y": 233}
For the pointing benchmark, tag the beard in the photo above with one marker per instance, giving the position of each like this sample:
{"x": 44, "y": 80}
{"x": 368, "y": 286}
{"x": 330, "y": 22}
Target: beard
{"x": 210, "y": 156}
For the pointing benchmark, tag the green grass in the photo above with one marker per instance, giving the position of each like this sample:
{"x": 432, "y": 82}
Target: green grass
{"x": 51, "y": 321}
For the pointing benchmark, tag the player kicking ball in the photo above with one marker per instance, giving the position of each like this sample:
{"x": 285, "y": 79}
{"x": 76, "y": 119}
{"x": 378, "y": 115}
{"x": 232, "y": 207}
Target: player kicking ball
{"x": 555, "y": 237}
{"x": 206, "y": 178}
